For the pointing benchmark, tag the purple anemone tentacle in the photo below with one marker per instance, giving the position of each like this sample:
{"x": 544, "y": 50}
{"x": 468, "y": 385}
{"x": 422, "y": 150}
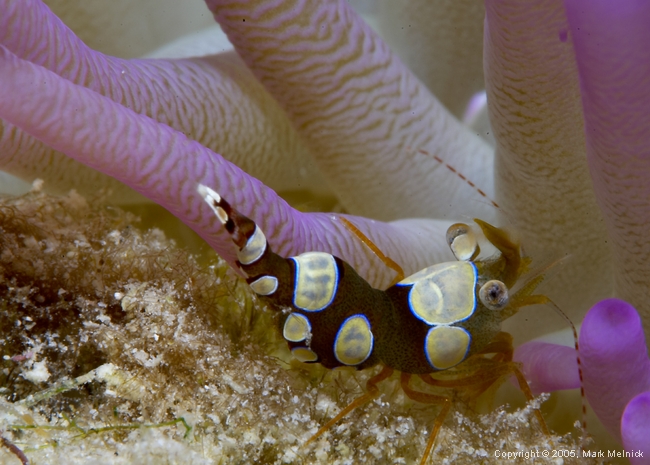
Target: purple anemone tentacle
{"x": 215, "y": 100}
{"x": 167, "y": 167}
{"x": 614, "y": 359}
{"x": 362, "y": 113}
{"x": 548, "y": 367}
{"x": 615, "y": 367}
{"x": 635, "y": 429}
{"x": 610, "y": 40}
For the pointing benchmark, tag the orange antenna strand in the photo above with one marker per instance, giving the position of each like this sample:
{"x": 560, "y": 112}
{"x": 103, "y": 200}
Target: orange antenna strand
{"x": 389, "y": 262}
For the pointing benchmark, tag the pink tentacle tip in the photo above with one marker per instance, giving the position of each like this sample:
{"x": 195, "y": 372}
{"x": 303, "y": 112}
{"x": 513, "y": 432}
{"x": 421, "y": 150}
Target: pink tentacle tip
{"x": 635, "y": 429}
{"x": 616, "y": 371}
{"x": 614, "y": 359}
{"x": 548, "y": 367}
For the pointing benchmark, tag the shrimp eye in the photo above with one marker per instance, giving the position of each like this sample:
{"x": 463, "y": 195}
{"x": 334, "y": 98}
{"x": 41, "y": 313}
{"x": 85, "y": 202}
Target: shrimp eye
{"x": 494, "y": 295}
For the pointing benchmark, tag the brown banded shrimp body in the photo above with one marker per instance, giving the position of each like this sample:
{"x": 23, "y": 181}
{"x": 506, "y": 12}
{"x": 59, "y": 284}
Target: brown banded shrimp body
{"x": 441, "y": 324}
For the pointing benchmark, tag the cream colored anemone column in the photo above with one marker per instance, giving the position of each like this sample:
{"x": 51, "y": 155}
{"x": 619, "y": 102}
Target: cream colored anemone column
{"x": 131, "y": 28}
{"x": 441, "y": 41}
{"x": 542, "y": 179}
